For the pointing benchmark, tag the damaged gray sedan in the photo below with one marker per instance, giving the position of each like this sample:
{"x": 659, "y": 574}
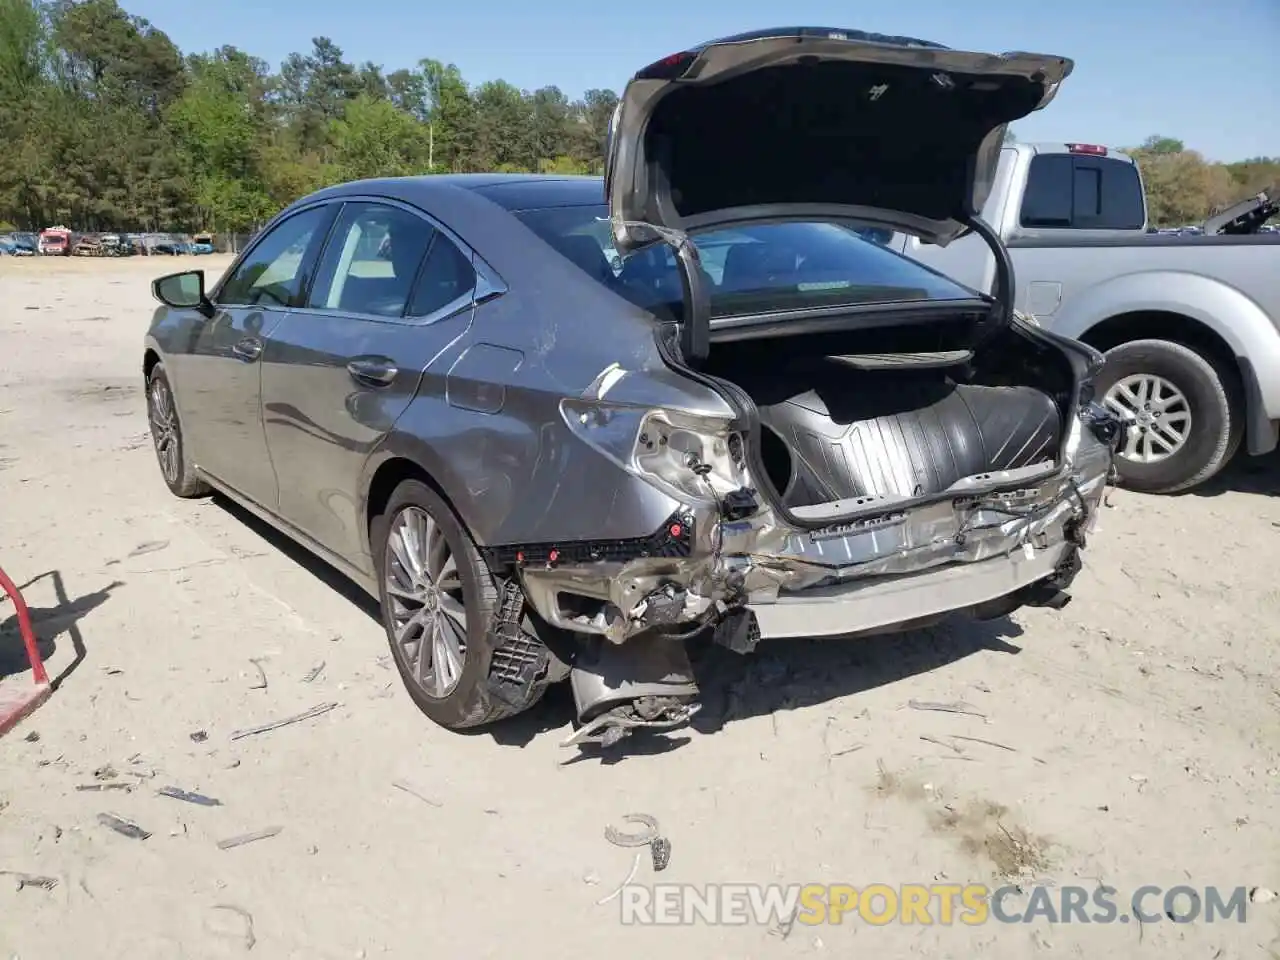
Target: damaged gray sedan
{"x": 545, "y": 461}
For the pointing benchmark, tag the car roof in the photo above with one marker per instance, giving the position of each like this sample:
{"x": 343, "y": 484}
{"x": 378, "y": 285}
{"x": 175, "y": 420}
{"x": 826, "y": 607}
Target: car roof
{"x": 510, "y": 191}
{"x": 532, "y": 191}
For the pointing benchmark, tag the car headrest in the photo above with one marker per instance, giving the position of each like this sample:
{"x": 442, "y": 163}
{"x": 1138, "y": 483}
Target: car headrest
{"x": 753, "y": 265}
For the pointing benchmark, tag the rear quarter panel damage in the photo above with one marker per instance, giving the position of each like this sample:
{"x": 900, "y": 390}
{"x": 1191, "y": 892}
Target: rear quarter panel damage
{"x": 486, "y": 422}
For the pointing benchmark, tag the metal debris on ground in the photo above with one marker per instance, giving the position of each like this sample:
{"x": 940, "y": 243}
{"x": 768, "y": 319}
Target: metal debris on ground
{"x": 635, "y": 866}
{"x": 31, "y": 879}
{"x": 32, "y": 737}
{"x": 188, "y": 797}
{"x": 959, "y": 706}
{"x": 104, "y": 786}
{"x": 126, "y": 828}
{"x": 249, "y": 938}
{"x": 262, "y": 675}
{"x": 782, "y": 927}
{"x": 151, "y": 546}
{"x": 412, "y": 791}
{"x": 989, "y": 743}
{"x": 942, "y": 743}
{"x": 199, "y": 736}
{"x": 242, "y": 839}
{"x": 314, "y": 672}
{"x": 641, "y": 838}
{"x": 276, "y": 724}
{"x": 107, "y": 772}
{"x": 660, "y": 849}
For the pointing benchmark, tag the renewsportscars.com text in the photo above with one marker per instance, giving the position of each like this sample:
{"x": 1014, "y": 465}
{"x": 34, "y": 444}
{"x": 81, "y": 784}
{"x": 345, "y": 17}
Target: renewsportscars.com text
{"x": 925, "y": 904}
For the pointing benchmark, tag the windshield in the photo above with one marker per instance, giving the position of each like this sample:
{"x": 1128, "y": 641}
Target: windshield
{"x": 749, "y": 270}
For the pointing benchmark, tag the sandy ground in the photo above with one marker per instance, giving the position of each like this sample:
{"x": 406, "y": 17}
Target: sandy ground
{"x": 1140, "y": 729}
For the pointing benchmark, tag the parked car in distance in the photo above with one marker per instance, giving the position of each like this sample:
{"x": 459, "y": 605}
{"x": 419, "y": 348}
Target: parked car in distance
{"x": 54, "y": 242}
{"x": 764, "y": 425}
{"x": 1189, "y": 323}
{"x": 24, "y": 244}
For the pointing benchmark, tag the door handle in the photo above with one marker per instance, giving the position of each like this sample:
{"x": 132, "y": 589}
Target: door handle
{"x": 371, "y": 372}
{"x": 248, "y": 349}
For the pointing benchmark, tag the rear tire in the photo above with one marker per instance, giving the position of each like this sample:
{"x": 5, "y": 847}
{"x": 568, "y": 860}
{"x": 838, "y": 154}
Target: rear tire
{"x": 450, "y": 559}
{"x": 166, "y": 433}
{"x": 1183, "y": 414}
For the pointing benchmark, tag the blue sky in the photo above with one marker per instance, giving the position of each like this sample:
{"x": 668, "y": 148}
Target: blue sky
{"x": 1205, "y": 72}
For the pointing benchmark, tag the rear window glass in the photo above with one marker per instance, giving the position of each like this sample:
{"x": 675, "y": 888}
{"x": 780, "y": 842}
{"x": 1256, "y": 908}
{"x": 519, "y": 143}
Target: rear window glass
{"x": 750, "y": 270}
{"x": 1082, "y": 193}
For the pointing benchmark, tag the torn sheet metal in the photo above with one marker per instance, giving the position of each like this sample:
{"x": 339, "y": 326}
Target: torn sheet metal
{"x": 759, "y": 559}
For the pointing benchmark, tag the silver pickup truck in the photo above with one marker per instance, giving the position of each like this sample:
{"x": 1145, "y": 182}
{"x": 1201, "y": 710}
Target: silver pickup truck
{"x": 1190, "y": 325}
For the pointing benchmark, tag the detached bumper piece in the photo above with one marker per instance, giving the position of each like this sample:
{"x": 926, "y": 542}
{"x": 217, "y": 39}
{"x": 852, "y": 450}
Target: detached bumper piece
{"x": 646, "y": 683}
{"x": 519, "y": 663}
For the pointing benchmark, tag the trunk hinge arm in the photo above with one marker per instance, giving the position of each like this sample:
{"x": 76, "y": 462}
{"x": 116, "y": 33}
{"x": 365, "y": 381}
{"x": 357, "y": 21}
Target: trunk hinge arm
{"x": 1004, "y": 286}
{"x": 695, "y": 323}
{"x": 695, "y": 327}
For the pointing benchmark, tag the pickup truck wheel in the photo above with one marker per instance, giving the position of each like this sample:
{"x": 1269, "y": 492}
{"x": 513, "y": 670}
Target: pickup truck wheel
{"x": 1183, "y": 423}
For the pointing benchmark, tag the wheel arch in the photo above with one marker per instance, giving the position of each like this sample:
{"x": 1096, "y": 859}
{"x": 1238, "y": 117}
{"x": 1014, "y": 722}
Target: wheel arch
{"x": 398, "y": 460}
{"x": 1238, "y": 372}
{"x": 1162, "y": 325}
{"x": 1192, "y": 305}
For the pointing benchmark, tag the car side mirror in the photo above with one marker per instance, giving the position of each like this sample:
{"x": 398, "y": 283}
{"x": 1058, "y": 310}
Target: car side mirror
{"x": 183, "y": 291}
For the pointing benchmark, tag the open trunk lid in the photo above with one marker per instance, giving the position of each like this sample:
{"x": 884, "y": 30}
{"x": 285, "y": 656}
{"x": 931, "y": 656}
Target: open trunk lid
{"x": 813, "y": 122}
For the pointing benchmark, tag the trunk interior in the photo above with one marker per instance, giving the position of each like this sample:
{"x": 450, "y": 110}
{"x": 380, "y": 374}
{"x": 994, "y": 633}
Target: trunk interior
{"x": 852, "y": 417}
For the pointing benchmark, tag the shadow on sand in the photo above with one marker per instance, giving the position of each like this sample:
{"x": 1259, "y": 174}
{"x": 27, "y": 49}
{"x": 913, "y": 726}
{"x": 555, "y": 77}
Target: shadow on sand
{"x": 303, "y": 557}
{"x": 1245, "y": 474}
{"x": 779, "y": 675}
{"x": 48, "y": 623}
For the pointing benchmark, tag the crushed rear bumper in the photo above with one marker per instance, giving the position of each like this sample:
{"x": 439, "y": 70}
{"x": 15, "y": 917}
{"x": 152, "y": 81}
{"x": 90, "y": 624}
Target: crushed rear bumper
{"x": 979, "y": 549}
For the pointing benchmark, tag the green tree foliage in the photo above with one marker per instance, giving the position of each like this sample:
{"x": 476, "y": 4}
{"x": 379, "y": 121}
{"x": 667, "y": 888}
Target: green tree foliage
{"x": 104, "y": 124}
{"x": 1184, "y": 188}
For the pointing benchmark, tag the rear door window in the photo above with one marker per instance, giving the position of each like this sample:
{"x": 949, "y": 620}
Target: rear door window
{"x": 1065, "y": 191}
{"x": 447, "y": 277}
{"x": 371, "y": 260}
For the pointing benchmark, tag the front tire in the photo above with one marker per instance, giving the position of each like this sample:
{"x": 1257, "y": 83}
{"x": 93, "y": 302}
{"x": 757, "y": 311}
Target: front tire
{"x": 166, "y": 433}
{"x": 1184, "y": 419}
{"x": 438, "y": 598}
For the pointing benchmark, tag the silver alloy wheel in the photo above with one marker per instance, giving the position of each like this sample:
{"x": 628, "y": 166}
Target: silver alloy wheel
{"x": 424, "y": 592}
{"x": 1158, "y": 415}
{"x": 164, "y": 429}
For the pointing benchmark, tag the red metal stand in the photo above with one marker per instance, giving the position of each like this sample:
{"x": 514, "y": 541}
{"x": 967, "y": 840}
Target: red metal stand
{"x": 17, "y": 703}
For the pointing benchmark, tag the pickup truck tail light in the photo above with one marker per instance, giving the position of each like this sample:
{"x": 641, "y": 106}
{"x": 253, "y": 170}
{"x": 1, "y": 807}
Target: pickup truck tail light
{"x": 1092, "y": 149}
